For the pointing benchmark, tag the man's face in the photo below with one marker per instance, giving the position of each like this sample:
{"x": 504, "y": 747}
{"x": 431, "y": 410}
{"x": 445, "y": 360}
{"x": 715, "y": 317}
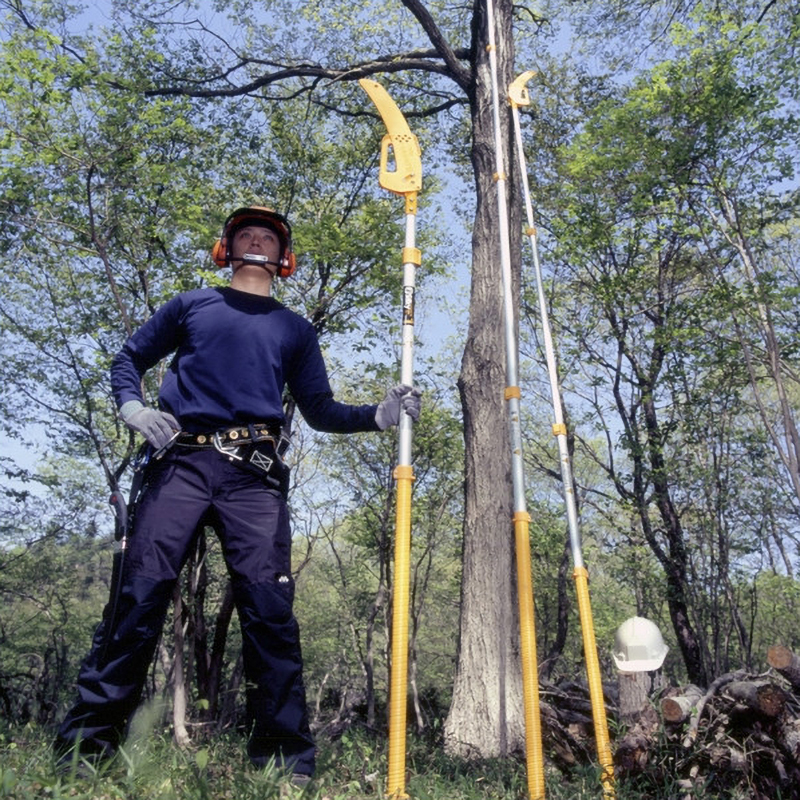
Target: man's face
{"x": 257, "y": 240}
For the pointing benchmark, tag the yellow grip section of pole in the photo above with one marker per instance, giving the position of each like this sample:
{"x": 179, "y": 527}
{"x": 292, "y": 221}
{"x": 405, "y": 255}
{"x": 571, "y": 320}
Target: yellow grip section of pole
{"x": 581, "y": 576}
{"x": 395, "y": 784}
{"x": 530, "y": 665}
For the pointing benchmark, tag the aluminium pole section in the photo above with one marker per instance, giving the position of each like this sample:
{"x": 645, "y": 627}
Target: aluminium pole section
{"x": 518, "y": 96}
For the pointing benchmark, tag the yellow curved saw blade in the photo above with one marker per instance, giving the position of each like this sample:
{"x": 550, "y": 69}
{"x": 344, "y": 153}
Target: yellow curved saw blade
{"x": 399, "y": 142}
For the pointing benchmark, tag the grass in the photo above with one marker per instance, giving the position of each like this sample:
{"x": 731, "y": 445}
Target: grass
{"x": 353, "y": 767}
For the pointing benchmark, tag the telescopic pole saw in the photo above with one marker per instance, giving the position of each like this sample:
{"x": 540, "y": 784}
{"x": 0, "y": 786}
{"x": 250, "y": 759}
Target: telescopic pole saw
{"x": 518, "y": 96}
{"x": 530, "y": 669}
{"x": 401, "y": 147}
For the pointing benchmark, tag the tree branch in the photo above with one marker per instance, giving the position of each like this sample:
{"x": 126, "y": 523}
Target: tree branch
{"x": 451, "y": 58}
{"x": 414, "y": 60}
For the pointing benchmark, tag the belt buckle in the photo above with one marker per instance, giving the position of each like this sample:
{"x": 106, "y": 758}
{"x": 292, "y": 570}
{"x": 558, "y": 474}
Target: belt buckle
{"x": 231, "y": 452}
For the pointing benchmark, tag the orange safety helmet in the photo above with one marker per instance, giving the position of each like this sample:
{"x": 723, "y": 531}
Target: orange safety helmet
{"x": 256, "y": 215}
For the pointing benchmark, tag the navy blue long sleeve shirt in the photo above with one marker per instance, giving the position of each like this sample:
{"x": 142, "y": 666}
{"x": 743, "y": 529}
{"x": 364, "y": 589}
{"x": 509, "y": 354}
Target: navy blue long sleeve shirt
{"x": 234, "y": 352}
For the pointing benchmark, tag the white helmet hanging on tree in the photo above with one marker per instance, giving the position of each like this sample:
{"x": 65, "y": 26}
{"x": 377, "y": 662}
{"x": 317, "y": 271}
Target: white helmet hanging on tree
{"x": 639, "y": 646}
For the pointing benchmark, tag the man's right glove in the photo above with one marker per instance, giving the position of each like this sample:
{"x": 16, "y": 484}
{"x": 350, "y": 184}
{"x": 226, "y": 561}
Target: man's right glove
{"x": 400, "y": 398}
{"x": 158, "y": 427}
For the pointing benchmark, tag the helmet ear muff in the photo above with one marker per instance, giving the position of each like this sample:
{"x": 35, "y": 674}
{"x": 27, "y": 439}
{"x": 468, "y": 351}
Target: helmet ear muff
{"x": 219, "y": 253}
{"x": 288, "y": 264}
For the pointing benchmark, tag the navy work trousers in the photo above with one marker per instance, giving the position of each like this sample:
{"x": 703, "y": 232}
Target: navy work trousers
{"x": 184, "y": 491}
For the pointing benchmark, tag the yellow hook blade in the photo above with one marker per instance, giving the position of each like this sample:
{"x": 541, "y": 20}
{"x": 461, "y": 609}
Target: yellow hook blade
{"x": 406, "y": 177}
{"x": 518, "y": 91}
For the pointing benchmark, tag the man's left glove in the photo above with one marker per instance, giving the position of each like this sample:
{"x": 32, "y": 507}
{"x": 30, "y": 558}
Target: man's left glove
{"x": 158, "y": 427}
{"x": 400, "y": 398}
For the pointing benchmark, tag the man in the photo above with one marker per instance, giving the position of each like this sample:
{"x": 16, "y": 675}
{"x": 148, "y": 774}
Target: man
{"x": 214, "y": 438}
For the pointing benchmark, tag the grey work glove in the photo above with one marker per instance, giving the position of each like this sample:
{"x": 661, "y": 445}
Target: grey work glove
{"x": 158, "y": 427}
{"x": 398, "y": 399}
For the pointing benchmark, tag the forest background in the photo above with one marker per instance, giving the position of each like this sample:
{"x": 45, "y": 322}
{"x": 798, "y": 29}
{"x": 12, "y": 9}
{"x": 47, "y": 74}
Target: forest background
{"x": 662, "y": 145}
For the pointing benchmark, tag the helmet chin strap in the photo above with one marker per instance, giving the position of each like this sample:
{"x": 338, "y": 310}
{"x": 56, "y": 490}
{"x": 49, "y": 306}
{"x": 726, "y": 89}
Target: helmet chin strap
{"x": 254, "y": 258}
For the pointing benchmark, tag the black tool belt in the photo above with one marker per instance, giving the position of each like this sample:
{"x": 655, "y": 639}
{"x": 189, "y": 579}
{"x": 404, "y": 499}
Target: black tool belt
{"x": 230, "y": 437}
{"x": 252, "y": 447}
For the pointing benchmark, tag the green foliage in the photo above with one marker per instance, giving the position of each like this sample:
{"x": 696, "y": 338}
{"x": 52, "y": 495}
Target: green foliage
{"x": 96, "y": 185}
{"x": 668, "y": 198}
{"x": 351, "y": 767}
{"x": 345, "y": 510}
{"x": 771, "y": 602}
{"x": 47, "y": 624}
{"x": 654, "y": 191}
{"x": 111, "y": 200}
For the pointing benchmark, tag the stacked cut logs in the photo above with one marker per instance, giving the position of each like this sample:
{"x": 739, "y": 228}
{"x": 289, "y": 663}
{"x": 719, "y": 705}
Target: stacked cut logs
{"x": 566, "y": 714}
{"x": 741, "y": 735}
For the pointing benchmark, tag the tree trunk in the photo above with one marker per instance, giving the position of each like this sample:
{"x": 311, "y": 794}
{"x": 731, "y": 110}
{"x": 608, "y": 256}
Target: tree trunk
{"x": 564, "y": 585}
{"x": 485, "y": 717}
{"x": 634, "y": 688}
{"x": 675, "y": 564}
{"x": 213, "y": 676}
{"x": 197, "y": 657}
{"x": 179, "y": 732}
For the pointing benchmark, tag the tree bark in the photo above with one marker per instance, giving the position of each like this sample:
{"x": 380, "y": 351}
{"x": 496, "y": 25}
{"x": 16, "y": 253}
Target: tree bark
{"x": 634, "y": 688}
{"x": 762, "y": 697}
{"x": 179, "y": 732}
{"x": 216, "y": 661}
{"x": 485, "y": 717}
{"x": 676, "y": 567}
